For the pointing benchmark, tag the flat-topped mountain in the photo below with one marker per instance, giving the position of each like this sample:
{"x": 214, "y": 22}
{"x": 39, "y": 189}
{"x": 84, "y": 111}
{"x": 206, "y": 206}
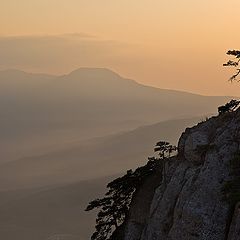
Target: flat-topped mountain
{"x": 85, "y": 103}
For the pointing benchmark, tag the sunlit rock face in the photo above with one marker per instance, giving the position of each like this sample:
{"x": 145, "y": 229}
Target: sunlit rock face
{"x": 192, "y": 205}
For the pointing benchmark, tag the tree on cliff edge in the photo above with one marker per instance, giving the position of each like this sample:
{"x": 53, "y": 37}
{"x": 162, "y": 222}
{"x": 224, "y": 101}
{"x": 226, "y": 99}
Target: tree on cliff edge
{"x": 114, "y": 206}
{"x": 229, "y": 107}
{"x": 234, "y": 63}
{"x": 164, "y": 149}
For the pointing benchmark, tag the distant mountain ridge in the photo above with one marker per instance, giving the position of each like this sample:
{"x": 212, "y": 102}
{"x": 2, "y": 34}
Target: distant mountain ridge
{"x": 84, "y": 74}
{"x": 94, "y": 158}
{"x": 85, "y": 103}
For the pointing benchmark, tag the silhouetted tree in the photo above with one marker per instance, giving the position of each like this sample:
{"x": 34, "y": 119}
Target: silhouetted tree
{"x": 165, "y": 150}
{"x": 228, "y": 107}
{"x": 114, "y": 206}
{"x": 234, "y": 63}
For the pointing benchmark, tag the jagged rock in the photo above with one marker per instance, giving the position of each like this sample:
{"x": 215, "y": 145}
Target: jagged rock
{"x": 195, "y": 141}
{"x": 192, "y": 207}
{"x": 140, "y": 206}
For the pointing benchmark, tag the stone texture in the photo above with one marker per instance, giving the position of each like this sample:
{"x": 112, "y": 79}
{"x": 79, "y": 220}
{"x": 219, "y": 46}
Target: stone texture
{"x": 191, "y": 206}
{"x": 140, "y": 206}
{"x": 234, "y": 232}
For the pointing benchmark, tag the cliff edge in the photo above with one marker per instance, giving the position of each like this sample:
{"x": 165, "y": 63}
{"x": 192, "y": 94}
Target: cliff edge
{"x": 194, "y": 204}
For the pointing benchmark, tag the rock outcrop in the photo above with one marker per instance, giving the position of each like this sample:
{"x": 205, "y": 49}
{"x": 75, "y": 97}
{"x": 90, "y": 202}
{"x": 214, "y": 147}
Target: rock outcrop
{"x": 192, "y": 205}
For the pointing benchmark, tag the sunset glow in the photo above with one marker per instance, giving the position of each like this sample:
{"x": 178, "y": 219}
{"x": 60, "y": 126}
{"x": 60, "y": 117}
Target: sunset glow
{"x": 169, "y": 44}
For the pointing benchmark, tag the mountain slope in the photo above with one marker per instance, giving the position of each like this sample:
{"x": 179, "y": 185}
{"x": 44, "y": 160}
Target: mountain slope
{"x": 90, "y": 159}
{"x": 42, "y": 112}
{"x": 201, "y": 198}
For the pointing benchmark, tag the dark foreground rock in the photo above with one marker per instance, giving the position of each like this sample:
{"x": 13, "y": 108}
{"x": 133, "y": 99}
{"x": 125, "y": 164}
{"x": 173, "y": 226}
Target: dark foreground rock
{"x": 192, "y": 205}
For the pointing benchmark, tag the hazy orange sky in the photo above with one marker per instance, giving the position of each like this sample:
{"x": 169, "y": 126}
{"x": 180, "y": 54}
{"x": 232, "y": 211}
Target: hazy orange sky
{"x": 169, "y": 44}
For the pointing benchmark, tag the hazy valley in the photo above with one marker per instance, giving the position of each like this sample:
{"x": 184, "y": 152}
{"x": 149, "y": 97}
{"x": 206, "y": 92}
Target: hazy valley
{"x": 42, "y": 112}
{"x": 63, "y": 137}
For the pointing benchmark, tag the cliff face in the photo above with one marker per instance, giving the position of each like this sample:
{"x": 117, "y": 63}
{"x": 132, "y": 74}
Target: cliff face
{"x": 192, "y": 205}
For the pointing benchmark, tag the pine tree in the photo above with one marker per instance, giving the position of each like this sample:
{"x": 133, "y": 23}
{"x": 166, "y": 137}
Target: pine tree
{"x": 164, "y": 149}
{"x": 114, "y": 206}
{"x": 234, "y": 63}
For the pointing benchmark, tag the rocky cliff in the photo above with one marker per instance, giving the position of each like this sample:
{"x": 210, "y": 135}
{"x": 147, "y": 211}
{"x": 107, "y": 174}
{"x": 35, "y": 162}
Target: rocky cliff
{"x": 193, "y": 205}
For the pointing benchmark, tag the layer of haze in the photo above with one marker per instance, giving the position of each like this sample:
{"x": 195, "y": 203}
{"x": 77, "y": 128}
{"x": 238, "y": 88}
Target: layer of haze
{"x": 168, "y": 44}
{"x": 63, "y": 137}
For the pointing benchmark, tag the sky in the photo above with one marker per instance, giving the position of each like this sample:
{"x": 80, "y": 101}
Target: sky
{"x": 163, "y": 43}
